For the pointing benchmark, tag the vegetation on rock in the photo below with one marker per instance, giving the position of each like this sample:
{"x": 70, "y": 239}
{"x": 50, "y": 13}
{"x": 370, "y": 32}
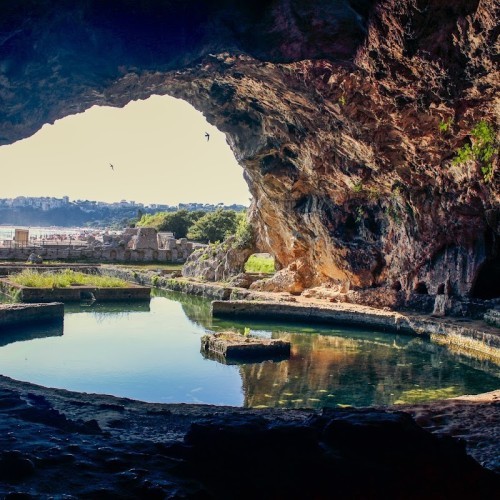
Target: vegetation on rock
{"x": 483, "y": 149}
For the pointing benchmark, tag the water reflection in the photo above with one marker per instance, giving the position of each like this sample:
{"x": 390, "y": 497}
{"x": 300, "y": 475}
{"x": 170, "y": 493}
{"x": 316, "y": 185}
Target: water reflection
{"x": 23, "y": 333}
{"x": 334, "y": 371}
{"x": 152, "y": 352}
{"x": 196, "y": 309}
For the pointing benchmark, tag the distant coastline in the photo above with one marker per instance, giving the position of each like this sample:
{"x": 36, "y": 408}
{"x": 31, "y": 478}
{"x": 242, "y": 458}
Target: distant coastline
{"x": 60, "y": 212}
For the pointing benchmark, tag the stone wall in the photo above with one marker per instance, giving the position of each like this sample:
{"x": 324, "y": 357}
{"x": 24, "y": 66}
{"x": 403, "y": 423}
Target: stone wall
{"x": 134, "y": 245}
{"x": 15, "y": 314}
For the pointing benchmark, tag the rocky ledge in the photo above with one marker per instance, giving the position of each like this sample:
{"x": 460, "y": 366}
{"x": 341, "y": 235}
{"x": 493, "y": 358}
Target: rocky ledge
{"x": 61, "y": 444}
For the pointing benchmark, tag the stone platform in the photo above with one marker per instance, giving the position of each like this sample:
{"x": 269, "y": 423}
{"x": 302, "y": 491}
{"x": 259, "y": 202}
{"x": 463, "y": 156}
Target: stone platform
{"x": 232, "y": 345}
{"x": 75, "y": 293}
{"x": 23, "y": 314}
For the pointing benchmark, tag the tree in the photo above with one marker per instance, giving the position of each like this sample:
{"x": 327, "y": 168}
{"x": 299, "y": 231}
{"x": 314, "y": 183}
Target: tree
{"x": 177, "y": 222}
{"x": 214, "y": 226}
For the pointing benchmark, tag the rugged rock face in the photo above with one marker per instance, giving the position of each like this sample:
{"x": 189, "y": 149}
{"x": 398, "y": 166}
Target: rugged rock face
{"x": 346, "y": 116}
{"x": 218, "y": 261}
{"x": 56, "y": 443}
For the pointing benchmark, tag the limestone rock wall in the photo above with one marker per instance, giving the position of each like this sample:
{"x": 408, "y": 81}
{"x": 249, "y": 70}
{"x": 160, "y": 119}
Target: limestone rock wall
{"x": 345, "y": 116}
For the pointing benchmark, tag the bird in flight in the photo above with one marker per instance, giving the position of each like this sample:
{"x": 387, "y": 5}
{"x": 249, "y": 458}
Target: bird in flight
{"x": 112, "y": 166}
{"x": 207, "y": 135}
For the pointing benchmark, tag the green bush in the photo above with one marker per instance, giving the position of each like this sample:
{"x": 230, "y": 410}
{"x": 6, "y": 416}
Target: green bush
{"x": 445, "y": 125}
{"x": 484, "y": 147}
{"x": 214, "y": 226}
{"x": 244, "y": 232}
{"x": 177, "y": 222}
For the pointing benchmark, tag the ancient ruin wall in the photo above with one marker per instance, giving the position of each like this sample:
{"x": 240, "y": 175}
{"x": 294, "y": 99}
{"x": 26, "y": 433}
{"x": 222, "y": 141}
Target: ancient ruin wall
{"x": 345, "y": 116}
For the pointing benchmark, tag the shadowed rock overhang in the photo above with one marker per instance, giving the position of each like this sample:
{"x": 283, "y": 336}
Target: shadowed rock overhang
{"x": 345, "y": 115}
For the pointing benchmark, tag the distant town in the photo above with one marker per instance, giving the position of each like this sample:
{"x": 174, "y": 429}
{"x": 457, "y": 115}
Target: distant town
{"x": 41, "y": 211}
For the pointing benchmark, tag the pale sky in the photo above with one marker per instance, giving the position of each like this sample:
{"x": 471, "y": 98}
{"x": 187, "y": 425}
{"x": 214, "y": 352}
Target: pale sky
{"x": 157, "y": 146}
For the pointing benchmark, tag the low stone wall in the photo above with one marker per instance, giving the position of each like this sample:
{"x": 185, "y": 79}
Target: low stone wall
{"x": 74, "y": 293}
{"x": 177, "y": 251}
{"x": 17, "y": 314}
{"x": 336, "y": 314}
{"x": 207, "y": 290}
{"x": 482, "y": 339}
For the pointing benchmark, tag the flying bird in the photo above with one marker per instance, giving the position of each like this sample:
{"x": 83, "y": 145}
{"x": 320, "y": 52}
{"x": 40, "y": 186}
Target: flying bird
{"x": 207, "y": 135}
{"x": 112, "y": 166}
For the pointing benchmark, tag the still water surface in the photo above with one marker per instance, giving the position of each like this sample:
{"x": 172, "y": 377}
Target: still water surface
{"x": 151, "y": 352}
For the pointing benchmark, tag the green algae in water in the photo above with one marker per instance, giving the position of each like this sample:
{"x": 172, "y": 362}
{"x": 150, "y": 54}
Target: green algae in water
{"x": 421, "y": 395}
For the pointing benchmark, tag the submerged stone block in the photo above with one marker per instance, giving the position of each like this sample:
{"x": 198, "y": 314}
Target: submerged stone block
{"x": 234, "y": 346}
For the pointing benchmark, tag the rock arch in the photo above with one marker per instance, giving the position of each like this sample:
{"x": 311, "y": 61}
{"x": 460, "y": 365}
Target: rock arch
{"x": 344, "y": 114}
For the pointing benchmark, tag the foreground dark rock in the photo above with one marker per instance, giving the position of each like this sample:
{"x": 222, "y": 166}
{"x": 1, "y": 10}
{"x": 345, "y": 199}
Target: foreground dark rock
{"x": 55, "y": 443}
{"x": 345, "y": 115}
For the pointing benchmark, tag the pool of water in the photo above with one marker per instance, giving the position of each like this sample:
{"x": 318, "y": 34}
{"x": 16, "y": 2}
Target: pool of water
{"x": 151, "y": 352}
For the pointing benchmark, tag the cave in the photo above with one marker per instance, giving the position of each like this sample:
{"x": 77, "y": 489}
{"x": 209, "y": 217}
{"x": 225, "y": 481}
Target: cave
{"x": 318, "y": 100}
{"x": 337, "y": 101}
{"x": 421, "y": 288}
{"x": 487, "y": 284}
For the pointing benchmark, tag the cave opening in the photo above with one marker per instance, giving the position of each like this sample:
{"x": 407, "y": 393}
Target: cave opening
{"x": 154, "y": 152}
{"x": 421, "y": 288}
{"x": 487, "y": 283}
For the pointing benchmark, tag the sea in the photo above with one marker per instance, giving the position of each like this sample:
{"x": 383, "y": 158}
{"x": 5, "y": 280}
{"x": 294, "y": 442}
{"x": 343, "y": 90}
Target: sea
{"x": 7, "y": 232}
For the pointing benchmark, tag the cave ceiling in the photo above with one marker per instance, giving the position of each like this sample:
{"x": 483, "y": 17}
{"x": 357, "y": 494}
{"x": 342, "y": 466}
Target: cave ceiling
{"x": 345, "y": 116}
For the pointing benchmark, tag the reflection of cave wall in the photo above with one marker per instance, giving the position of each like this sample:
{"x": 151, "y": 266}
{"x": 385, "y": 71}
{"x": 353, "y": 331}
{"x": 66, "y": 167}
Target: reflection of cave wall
{"x": 332, "y": 108}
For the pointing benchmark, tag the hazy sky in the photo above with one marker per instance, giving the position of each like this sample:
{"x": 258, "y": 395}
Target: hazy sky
{"x": 158, "y": 149}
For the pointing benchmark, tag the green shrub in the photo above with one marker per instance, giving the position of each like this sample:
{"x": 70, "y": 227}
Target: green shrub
{"x": 358, "y": 187}
{"x": 177, "y": 222}
{"x": 214, "y": 226}
{"x": 445, "y": 125}
{"x": 484, "y": 147}
{"x": 244, "y": 232}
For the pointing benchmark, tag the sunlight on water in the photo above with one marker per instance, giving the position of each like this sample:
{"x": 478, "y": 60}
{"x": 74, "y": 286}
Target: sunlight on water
{"x": 152, "y": 352}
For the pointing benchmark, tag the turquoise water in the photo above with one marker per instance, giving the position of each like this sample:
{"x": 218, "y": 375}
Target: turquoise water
{"x": 151, "y": 352}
